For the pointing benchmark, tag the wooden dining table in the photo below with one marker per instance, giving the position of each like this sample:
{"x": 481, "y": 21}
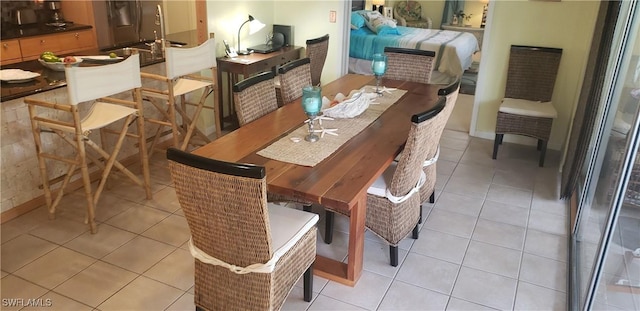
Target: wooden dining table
{"x": 341, "y": 180}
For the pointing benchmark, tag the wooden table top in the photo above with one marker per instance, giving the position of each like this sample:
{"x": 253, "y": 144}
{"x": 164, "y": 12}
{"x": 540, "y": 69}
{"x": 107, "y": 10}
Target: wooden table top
{"x": 341, "y": 178}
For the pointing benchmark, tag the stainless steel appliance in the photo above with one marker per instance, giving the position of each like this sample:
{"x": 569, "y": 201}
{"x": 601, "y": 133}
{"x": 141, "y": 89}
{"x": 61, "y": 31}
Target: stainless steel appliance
{"x": 55, "y": 14}
{"x": 24, "y": 17}
{"x": 125, "y": 22}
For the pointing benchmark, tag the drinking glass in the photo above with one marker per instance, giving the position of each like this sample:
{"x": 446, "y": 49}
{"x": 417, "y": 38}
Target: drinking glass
{"x": 379, "y": 67}
{"x": 311, "y": 104}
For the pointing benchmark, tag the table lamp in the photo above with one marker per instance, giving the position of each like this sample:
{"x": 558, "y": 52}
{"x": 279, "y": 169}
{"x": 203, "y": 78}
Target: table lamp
{"x": 254, "y": 26}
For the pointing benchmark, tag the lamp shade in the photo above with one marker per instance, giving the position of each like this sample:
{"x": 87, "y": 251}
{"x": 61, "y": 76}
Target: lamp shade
{"x": 254, "y": 26}
{"x": 377, "y": 2}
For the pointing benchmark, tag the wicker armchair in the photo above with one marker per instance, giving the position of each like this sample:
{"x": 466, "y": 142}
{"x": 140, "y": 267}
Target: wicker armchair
{"x": 527, "y": 108}
{"x": 292, "y": 77}
{"x": 254, "y": 97}
{"x": 249, "y": 254}
{"x": 409, "y": 64}
{"x": 393, "y": 201}
{"x": 317, "y": 52}
{"x": 409, "y": 14}
{"x": 110, "y": 113}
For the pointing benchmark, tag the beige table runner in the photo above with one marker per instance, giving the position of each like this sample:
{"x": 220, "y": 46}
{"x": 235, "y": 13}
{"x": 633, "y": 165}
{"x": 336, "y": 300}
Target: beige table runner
{"x": 310, "y": 154}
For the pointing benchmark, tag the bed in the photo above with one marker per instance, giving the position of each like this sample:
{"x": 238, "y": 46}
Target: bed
{"x": 454, "y": 50}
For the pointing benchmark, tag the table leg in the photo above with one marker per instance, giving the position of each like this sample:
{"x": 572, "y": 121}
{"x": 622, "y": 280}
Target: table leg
{"x": 349, "y": 273}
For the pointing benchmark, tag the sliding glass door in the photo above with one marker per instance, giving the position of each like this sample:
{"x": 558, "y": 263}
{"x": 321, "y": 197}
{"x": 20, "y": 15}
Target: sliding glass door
{"x": 606, "y": 240}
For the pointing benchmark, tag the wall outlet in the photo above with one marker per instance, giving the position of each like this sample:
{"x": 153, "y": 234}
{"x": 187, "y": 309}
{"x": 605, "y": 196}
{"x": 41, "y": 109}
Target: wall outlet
{"x": 332, "y": 16}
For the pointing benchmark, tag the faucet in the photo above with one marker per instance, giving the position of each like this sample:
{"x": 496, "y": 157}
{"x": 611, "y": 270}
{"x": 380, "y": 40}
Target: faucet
{"x": 160, "y": 22}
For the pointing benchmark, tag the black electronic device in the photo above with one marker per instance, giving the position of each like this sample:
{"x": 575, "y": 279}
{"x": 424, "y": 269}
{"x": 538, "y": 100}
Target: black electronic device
{"x": 263, "y": 48}
{"x": 286, "y": 31}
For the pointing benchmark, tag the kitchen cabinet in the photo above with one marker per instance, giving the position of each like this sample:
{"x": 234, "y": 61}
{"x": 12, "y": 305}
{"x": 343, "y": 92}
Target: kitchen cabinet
{"x": 10, "y": 52}
{"x": 62, "y": 43}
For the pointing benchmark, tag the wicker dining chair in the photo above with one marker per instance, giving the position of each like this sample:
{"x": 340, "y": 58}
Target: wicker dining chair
{"x": 254, "y": 97}
{"x": 393, "y": 200}
{"x": 409, "y": 64}
{"x": 111, "y": 113}
{"x": 427, "y": 191}
{"x": 183, "y": 78}
{"x": 292, "y": 77}
{"x": 317, "y": 50}
{"x": 248, "y": 254}
{"x": 527, "y": 108}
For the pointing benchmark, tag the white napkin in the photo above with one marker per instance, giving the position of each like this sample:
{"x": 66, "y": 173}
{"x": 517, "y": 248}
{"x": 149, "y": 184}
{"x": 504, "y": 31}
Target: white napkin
{"x": 357, "y": 102}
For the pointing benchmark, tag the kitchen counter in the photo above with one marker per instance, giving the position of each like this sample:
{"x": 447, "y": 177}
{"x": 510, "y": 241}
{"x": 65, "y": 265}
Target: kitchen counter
{"x": 17, "y": 32}
{"x": 49, "y": 79}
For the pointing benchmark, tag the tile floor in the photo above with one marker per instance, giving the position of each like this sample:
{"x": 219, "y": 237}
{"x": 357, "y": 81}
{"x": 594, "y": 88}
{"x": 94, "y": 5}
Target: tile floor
{"x": 496, "y": 238}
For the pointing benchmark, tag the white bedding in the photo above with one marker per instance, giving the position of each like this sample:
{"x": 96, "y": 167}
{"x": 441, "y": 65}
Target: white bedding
{"x": 454, "y": 50}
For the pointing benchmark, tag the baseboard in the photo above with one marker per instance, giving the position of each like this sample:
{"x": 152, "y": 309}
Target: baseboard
{"x": 516, "y": 139}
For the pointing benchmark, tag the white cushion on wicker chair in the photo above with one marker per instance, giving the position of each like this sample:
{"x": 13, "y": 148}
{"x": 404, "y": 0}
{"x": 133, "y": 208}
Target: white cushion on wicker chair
{"x": 529, "y": 108}
{"x": 288, "y": 225}
{"x": 379, "y": 186}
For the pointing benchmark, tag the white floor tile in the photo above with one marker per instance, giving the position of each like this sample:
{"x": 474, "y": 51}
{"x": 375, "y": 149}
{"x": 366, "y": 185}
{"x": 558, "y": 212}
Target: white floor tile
{"x": 367, "y": 293}
{"x": 544, "y": 272}
{"x": 403, "y": 296}
{"x": 485, "y": 288}
{"x": 429, "y": 273}
{"x": 493, "y": 259}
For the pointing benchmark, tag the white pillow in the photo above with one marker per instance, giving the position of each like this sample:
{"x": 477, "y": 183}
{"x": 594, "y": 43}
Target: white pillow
{"x": 380, "y": 24}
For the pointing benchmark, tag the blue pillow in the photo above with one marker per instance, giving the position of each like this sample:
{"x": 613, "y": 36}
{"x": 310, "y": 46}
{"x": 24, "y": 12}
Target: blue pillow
{"x": 357, "y": 21}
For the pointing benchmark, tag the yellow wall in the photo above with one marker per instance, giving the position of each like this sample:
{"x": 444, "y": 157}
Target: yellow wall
{"x": 566, "y": 24}
{"x": 310, "y": 19}
{"x": 225, "y": 18}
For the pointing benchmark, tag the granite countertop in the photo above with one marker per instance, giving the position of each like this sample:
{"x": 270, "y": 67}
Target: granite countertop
{"x": 50, "y": 79}
{"x": 18, "y": 32}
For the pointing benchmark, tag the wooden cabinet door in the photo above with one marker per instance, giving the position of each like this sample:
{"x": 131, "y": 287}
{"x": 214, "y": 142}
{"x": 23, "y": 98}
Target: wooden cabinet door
{"x": 10, "y": 52}
{"x": 76, "y": 40}
{"x": 32, "y": 47}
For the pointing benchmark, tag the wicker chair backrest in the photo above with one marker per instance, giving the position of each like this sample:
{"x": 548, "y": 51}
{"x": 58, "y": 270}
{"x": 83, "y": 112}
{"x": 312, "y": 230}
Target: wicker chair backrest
{"x": 424, "y": 134}
{"x": 293, "y": 78}
{"x": 225, "y": 205}
{"x": 409, "y": 64}
{"x": 317, "y": 52}
{"x": 532, "y": 72}
{"x": 254, "y": 97}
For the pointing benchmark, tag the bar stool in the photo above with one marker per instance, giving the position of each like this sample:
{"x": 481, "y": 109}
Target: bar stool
{"x": 183, "y": 77}
{"x": 98, "y": 84}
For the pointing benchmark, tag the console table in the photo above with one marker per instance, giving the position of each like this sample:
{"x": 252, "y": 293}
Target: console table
{"x": 248, "y": 65}
{"x": 476, "y": 31}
